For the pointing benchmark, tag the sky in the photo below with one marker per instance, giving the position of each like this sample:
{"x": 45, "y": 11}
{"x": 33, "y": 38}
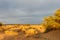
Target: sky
{"x": 26, "y": 11}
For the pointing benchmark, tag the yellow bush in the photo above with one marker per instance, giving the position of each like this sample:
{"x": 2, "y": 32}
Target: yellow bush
{"x": 11, "y": 33}
{"x": 30, "y": 32}
{"x": 53, "y": 22}
{"x": 14, "y": 29}
{"x": 7, "y": 26}
{"x": 57, "y": 13}
{"x": 23, "y": 28}
{"x": 40, "y": 28}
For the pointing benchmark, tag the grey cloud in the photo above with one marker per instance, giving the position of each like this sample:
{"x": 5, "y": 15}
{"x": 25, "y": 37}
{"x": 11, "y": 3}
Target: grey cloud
{"x": 26, "y": 11}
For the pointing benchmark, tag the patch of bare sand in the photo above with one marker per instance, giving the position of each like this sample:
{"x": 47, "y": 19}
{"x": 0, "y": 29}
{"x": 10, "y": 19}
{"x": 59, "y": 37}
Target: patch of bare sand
{"x": 52, "y": 35}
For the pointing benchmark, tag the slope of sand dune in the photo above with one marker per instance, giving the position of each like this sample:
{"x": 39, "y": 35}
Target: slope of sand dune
{"x": 52, "y": 35}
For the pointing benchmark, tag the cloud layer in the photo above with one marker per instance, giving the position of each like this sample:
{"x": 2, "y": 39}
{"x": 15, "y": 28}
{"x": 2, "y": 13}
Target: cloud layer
{"x": 26, "y": 11}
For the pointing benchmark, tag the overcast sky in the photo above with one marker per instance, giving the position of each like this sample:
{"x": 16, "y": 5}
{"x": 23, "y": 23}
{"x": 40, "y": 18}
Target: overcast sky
{"x": 26, "y": 11}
